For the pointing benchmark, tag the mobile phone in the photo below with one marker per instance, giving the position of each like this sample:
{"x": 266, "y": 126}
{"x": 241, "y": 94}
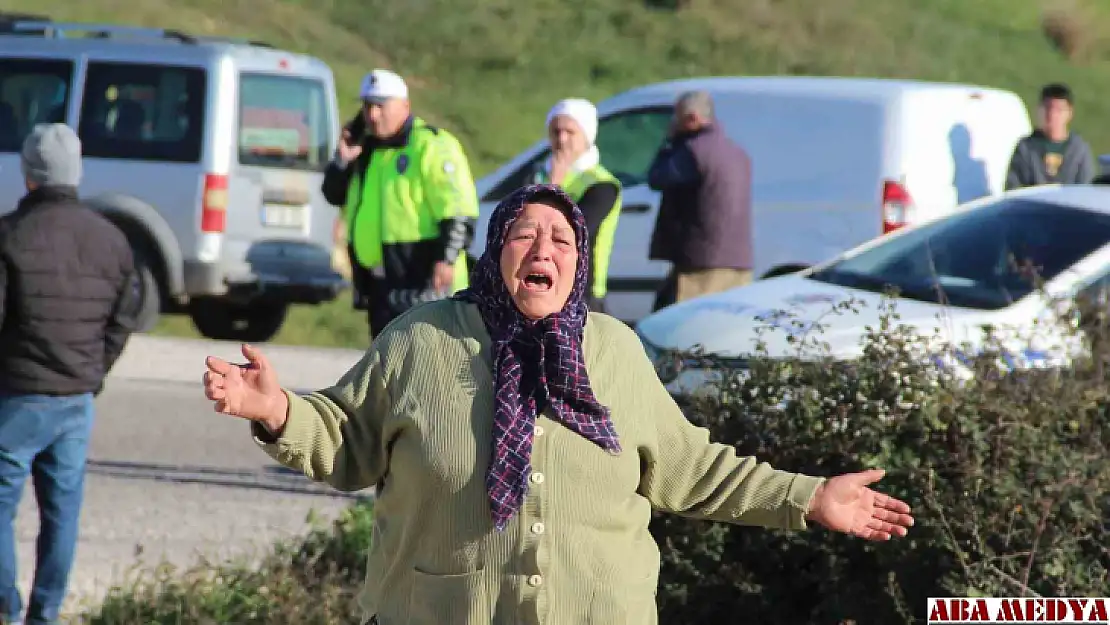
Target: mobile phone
{"x": 357, "y": 128}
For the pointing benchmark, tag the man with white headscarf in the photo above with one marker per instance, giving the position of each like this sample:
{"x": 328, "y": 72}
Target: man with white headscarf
{"x": 575, "y": 165}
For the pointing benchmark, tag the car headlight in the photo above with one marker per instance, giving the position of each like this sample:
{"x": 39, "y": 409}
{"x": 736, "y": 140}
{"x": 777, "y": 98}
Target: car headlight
{"x": 669, "y": 363}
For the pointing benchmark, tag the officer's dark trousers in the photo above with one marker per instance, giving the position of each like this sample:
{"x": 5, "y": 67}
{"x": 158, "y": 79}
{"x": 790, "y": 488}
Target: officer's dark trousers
{"x": 596, "y": 304}
{"x": 378, "y": 314}
{"x": 370, "y": 294}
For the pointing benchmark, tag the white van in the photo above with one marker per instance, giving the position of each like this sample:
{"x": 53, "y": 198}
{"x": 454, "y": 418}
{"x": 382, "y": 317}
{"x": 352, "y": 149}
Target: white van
{"x": 836, "y": 162}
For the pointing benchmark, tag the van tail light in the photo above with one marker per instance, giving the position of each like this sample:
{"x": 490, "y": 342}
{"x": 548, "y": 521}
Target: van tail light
{"x": 897, "y": 206}
{"x": 213, "y": 210}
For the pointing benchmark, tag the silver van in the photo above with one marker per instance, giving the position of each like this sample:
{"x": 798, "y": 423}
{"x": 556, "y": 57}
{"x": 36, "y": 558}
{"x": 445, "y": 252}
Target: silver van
{"x": 208, "y": 153}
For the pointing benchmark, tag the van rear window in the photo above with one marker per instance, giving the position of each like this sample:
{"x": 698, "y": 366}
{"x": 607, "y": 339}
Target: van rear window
{"x": 283, "y": 122}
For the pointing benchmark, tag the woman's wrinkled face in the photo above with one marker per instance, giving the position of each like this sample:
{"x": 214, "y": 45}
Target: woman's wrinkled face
{"x": 538, "y": 260}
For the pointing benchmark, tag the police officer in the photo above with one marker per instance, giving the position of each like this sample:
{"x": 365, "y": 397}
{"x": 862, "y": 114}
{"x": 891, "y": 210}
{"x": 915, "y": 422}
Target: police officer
{"x": 408, "y": 201}
{"x": 575, "y": 165}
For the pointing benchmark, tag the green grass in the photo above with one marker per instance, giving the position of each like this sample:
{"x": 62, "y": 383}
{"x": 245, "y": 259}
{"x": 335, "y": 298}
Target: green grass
{"x": 329, "y": 325}
{"x": 489, "y": 69}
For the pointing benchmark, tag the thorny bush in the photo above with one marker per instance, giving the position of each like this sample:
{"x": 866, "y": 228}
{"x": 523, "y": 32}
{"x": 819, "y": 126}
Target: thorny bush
{"x": 1005, "y": 467}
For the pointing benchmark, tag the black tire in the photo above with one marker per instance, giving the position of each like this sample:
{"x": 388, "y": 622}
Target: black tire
{"x": 220, "y": 320}
{"x": 150, "y": 295}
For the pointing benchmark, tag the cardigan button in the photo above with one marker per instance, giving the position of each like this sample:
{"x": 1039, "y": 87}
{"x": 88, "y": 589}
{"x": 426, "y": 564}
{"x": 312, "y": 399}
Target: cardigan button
{"x": 539, "y": 430}
{"x": 537, "y": 478}
{"x": 535, "y": 580}
{"x": 537, "y": 528}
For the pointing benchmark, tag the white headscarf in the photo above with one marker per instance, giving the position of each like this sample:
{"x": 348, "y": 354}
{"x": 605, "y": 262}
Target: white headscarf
{"x": 584, "y": 114}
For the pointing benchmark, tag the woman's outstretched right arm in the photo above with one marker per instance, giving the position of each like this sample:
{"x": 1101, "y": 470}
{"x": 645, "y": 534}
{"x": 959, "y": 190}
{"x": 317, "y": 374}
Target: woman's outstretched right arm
{"x": 335, "y": 435}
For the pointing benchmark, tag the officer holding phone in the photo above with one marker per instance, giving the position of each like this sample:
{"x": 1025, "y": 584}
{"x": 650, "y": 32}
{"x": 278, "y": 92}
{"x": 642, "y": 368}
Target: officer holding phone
{"x": 408, "y": 201}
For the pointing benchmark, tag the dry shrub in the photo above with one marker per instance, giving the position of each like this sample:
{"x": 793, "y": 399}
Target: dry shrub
{"x": 310, "y": 581}
{"x": 1069, "y": 27}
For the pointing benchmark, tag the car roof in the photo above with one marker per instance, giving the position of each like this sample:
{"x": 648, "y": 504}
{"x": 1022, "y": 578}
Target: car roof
{"x": 1092, "y": 197}
{"x": 835, "y": 86}
{"x": 55, "y": 39}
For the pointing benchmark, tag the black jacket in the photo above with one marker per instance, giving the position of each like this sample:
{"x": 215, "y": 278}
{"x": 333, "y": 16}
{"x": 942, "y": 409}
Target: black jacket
{"x": 705, "y": 208}
{"x": 68, "y": 295}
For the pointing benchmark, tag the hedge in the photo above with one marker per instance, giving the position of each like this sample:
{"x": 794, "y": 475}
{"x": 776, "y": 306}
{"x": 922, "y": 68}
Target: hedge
{"x": 1006, "y": 469}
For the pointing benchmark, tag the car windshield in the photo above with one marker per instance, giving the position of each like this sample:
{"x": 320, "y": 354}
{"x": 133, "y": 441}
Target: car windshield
{"x": 985, "y": 258}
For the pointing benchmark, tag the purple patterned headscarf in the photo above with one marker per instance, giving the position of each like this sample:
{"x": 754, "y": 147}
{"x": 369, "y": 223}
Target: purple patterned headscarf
{"x": 535, "y": 363}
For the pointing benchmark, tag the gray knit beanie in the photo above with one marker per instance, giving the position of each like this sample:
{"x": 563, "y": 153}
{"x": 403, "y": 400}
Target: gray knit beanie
{"x": 51, "y": 156}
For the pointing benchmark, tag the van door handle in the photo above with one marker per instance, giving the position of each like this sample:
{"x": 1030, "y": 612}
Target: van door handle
{"x": 635, "y": 208}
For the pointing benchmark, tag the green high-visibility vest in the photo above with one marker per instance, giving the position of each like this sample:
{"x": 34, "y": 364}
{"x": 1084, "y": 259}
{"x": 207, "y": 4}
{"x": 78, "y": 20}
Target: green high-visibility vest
{"x": 405, "y": 193}
{"x": 575, "y": 185}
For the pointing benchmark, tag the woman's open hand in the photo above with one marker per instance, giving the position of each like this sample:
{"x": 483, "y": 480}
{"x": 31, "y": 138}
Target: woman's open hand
{"x": 845, "y": 504}
{"x": 248, "y": 391}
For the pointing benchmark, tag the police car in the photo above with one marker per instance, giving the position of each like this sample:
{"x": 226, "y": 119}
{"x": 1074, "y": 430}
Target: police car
{"x": 954, "y": 275}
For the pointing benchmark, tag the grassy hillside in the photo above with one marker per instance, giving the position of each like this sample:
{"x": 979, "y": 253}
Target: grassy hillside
{"x": 489, "y": 69}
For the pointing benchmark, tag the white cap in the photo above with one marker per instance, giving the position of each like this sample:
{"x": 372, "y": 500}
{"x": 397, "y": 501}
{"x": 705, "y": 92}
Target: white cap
{"x": 382, "y": 84}
{"x": 581, "y": 111}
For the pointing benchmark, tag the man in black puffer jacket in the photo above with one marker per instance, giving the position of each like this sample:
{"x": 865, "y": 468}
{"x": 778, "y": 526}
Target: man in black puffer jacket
{"x": 68, "y": 298}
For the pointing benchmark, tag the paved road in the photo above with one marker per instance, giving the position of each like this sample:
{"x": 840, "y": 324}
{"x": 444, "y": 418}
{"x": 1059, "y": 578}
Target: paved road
{"x": 173, "y": 479}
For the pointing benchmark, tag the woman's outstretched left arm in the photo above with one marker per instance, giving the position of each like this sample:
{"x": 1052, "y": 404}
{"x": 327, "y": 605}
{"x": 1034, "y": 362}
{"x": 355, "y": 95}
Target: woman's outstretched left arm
{"x": 687, "y": 474}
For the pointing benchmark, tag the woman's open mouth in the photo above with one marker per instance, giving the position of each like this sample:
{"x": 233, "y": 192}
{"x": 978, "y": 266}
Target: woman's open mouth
{"x": 538, "y": 281}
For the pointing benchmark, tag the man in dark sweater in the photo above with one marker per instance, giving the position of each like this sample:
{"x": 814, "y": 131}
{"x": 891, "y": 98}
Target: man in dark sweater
{"x": 1052, "y": 154}
{"x": 68, "y": 298}
{"x": 705, "y": 210}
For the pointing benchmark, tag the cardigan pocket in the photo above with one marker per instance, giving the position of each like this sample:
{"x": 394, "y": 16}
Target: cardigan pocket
{"x": 629, "y": 603}
{"x": 459, "y": 599}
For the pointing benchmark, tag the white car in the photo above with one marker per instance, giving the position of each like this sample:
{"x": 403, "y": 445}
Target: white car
{"x": 954, "y": 273}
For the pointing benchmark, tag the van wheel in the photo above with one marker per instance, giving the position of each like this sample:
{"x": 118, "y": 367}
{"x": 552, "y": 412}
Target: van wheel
{"x": 256, "y": 322}
{"x": 149, "y": 295}
{"x": 783, "y": 270}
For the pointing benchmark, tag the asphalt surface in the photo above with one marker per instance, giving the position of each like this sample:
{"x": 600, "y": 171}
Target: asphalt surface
{"x": 169, "y": 480}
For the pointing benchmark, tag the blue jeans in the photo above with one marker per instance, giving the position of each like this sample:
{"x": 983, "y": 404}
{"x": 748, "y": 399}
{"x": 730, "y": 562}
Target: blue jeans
{"x": 47, "y": 438}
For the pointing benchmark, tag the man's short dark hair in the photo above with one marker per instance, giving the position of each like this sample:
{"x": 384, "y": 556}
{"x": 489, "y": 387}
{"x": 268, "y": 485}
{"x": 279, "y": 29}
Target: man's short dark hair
{"x": 1056, "y": 91}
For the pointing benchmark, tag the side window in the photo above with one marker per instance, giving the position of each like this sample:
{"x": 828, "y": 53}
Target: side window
{"x": 143, "y": 112}
{"x": 283, "y": 122}
{"x": 522, "y": 176}
{"x": 627, "y": 141}
{"x": 32, "y": 91}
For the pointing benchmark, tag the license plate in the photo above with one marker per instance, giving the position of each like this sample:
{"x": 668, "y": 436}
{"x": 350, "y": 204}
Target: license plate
{"x": 284, "y": 216}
